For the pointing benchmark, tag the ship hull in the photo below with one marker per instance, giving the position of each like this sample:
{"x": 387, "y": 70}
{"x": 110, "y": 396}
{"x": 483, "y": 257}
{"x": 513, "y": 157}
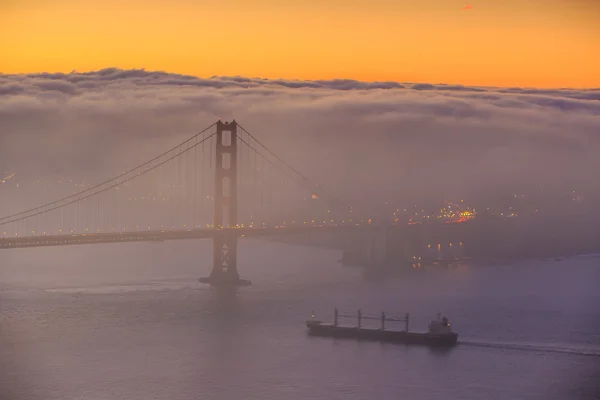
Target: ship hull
{"x": 317, "y": 328}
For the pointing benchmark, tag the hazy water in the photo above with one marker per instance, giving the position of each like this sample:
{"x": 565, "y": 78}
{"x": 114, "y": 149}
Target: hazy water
{"x": 130, "y": 321}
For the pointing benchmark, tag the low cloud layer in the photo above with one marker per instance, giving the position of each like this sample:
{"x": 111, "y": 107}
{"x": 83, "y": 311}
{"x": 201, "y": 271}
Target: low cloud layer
{"x": 381, "y": 138}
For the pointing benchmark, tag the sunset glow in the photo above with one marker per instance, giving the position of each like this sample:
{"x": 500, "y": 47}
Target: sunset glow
{"x": 553, "y": 43}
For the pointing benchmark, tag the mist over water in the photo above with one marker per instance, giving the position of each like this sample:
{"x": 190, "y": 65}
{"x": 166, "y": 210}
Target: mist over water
{"x": 131, "y": 321}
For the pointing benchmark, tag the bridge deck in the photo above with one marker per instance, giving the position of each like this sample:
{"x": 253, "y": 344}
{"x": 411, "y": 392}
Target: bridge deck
{"x": 159, "y": 235}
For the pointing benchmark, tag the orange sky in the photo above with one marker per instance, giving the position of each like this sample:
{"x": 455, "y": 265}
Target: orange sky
{"x": 543, "y": 43}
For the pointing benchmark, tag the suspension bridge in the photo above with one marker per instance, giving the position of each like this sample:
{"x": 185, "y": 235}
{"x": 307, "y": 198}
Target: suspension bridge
{"x": 220, "y": 184}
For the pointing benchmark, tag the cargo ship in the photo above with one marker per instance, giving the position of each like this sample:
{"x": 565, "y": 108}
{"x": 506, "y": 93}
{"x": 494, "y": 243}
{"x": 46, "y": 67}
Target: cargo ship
{"x": 439, "y": 334}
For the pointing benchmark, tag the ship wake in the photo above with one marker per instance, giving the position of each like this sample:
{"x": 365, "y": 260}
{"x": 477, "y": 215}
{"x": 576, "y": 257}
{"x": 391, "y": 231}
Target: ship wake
{"x": 542, "y": 348}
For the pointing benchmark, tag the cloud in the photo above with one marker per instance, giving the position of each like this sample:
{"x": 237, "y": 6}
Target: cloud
{"x": 359, "y": 138}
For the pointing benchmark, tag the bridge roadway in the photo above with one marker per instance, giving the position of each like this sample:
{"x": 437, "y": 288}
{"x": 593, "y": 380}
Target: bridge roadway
{"x": 162, "y": 235}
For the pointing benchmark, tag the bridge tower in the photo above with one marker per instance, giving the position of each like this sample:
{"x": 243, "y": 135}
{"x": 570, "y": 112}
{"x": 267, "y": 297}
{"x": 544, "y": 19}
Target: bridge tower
{"x": 224, "y": 271}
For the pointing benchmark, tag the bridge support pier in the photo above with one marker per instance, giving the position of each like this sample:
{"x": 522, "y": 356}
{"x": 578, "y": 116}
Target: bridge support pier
{"x": 369, "y": 249}
{"x": 378, "y": 256}
{"x": 224, "y": 271}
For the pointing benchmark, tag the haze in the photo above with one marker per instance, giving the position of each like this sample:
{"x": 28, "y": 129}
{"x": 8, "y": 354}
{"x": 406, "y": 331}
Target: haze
{"x": 387, "y": 139}
{"x": 449, "y": 162}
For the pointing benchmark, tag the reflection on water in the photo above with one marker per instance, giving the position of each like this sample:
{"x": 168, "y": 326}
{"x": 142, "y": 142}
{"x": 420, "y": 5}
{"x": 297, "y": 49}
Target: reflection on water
{"x": 225, "y": 302}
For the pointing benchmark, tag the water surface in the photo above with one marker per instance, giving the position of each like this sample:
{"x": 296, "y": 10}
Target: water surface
{"x": 130, "y": 321}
